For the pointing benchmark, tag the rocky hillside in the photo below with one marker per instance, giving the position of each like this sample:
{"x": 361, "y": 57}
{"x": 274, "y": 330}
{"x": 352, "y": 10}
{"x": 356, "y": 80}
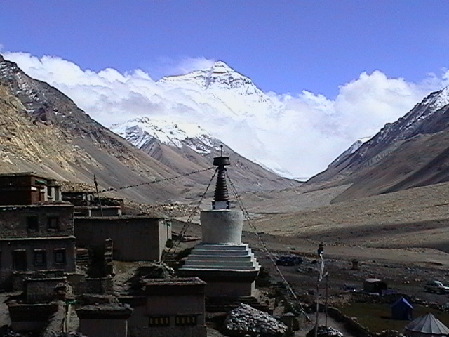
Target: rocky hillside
{"x": 413, "y": 151}
{"x": 186, "y": 147}
{"x": 42, "y": 130}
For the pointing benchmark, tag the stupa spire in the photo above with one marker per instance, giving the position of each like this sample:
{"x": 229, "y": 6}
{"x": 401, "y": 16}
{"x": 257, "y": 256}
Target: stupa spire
{"x": 227, "y": 265}
{"x": 221, "y": 196}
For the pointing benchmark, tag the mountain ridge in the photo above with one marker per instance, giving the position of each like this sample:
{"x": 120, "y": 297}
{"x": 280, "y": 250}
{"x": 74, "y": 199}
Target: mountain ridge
{"x": 186, "y": 142}
{"x": 410, "y": 152}
{"x": 69, "y": 145}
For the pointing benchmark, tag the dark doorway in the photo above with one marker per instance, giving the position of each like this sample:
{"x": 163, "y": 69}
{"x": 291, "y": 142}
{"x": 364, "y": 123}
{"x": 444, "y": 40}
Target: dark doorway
{"x": 19, "y": 259}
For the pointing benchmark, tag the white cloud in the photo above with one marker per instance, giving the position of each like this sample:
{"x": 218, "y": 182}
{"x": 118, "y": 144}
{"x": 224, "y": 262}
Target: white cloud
{"x": 319, "y": 129}
{"x": 191, "y": 64}
{"x": 173, "y": 67}
{"x": 372, "y": 100}
{"x": 303, "y": 136}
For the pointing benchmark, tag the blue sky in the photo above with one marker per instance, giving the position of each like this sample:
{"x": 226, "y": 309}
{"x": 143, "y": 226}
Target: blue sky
{"x": 284, "y": 46}
{"x": 340, "y": 69}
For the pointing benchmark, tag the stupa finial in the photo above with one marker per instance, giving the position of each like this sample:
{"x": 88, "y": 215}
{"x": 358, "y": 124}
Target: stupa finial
{"x": 221, "y": 196}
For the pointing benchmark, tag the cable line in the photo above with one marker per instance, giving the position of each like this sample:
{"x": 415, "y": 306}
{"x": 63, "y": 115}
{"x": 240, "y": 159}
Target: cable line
{"x": 265, "y": 247}
{"x": 185, "y": 227}
{"x": 189, "y": 221}
{"x": 112, "y": 189}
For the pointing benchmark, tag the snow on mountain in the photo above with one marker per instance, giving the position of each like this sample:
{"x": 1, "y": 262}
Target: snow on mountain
{"x": 220, "y": 76}
{"x": 233, "y": 109}
{"x": 221, "y": 87}
{"x": 427, "y": 108}
{"x": 141, "y": 132}
{"x": 410, "y": 152}
{"x": 224, "y": 103}
{"x": 353, "y": 148}
{"x": 359, "y": 142}
{"x": 301, "y": 131}
{"x": 429, "y": 116}
{"x": 438, "y": 99}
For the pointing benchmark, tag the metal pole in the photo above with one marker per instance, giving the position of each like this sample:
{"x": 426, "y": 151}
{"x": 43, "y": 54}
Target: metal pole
{"x": 320, "y": 277}
{"x": 317, "y": 306}
{"x": 327, "y": 293}
{"x": 98, "y": 194}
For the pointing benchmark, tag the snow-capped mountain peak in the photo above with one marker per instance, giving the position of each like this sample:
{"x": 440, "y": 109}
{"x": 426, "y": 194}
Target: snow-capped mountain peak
{"x": 142, "y": 132}
{"x": 438, "y": 99}
{"x": 221, "y": 67}
{"x": 428, "y": 109}
{"x": 353, "y": 148}
{"x": 219, "y": 77}
{"x": 218, "y": 98}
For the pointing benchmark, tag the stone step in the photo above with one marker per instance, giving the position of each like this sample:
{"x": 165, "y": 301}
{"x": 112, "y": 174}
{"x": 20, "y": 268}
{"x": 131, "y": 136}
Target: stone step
{"x": 230, "y": 264}
{"x": 213, "y": 246}
{"x": 221, "y": 254}
{"x": 218, "y": 267}
{"x": 221, "y": 249}
{"x": 220, "y": 257}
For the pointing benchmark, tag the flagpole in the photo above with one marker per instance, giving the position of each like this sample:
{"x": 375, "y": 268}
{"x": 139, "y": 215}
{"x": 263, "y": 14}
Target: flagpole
{"x": 317, "y": 292}
{"x": 327, "y": 294}
{"x": 98, "y": 194}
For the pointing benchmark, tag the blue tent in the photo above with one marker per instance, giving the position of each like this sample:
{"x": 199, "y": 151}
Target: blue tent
{"x": 402, "y": 309}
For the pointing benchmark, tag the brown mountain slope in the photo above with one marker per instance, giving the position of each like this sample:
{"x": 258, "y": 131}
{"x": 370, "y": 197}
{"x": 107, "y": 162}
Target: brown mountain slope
{"x": 46, "y": 148}
{"x": 247, "y": 175}
{"x": 42, "y": 130}
{"x": 411, "y": 152}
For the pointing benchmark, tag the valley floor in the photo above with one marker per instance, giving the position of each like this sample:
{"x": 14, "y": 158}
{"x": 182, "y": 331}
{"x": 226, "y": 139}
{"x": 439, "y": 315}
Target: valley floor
{"x": 401, "y": 238}
{"x": 402, "y": 225}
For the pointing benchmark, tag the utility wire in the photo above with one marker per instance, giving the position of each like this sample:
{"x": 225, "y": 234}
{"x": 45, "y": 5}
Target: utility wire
{"x": 111, "y": 189}
{"x": 265, "y": 247}
{"x": 195, "y": 210}
{"x": 189, "y": 220}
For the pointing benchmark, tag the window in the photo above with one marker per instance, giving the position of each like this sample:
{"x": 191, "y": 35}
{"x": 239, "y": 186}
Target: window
{"x": 159, "y": 321}
{"x": 40, "y": 258}
{"x": 19, "y": 259}
{"x": 185, "y": 320}
{"x": 59, "y": 256}
{"x": 53, "y": 222}
{"x": 50, "y": 192}
{"x": 33, "y": 223}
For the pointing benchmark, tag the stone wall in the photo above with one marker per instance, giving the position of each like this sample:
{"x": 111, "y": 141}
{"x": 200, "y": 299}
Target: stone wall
{"x": 36, "y": 221}
{"x": 354, "y": 327}
{"x": 104, "y": 327}
{"x": 134, "y": 238}
{"x": 171, "y": 307}
{"x": 42, "y": 290}
{"x": 99, "y": 285}
{"x": 29, "y": 248}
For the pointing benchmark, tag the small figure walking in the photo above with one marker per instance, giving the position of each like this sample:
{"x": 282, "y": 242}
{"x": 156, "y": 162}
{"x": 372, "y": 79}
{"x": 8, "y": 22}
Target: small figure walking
{"x": 320, "y": 248}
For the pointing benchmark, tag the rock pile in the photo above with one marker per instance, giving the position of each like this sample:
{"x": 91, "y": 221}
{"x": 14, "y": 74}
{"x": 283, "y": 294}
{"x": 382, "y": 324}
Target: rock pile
{"x": 247, "y": 321}
{"x": 390, "y": 333}
{"x": 325, "y": 331}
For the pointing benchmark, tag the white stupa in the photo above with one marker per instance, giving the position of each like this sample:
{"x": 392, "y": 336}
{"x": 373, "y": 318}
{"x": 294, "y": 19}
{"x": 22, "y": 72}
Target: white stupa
{"x": 227, "y": 265}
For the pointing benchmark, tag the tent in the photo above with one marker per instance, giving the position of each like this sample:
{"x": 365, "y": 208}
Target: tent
{"x": 402, "y": 309}
{"x": 426, "y": 326}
